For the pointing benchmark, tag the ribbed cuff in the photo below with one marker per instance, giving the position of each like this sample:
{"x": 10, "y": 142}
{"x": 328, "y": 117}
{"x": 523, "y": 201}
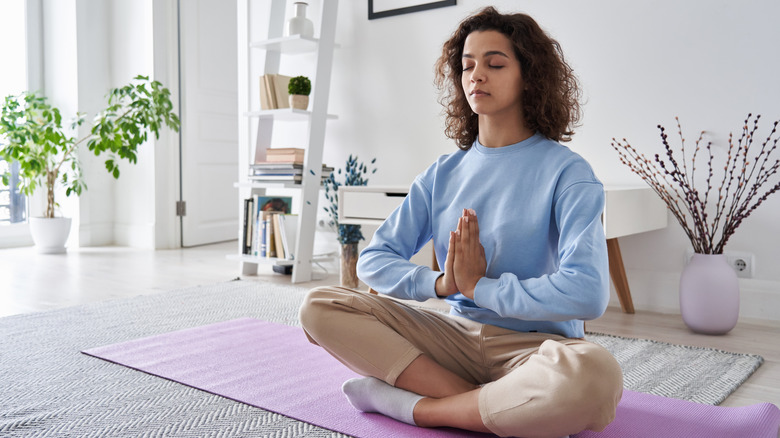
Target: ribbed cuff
{"x": 425, "y": 284}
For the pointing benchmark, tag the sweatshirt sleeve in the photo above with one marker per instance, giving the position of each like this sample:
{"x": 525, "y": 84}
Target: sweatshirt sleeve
{"x": 384, "y": 264}
{"x": 579, "y": 288}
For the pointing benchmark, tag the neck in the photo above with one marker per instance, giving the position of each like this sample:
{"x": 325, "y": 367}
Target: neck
{"x": 496, "y": 131}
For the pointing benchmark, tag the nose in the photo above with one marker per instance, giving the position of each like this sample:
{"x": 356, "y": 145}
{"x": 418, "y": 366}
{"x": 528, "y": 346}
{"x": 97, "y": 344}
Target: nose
{"x": 478, "y": 74}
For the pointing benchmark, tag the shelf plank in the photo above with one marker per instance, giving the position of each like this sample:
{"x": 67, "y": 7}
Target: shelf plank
{"x": 260, "y": 260}
{"x": 267, "y": 185}
{"x": 293, "y": 45}
{"x": 285, "y": 114}
{"x": 279, "y": 262}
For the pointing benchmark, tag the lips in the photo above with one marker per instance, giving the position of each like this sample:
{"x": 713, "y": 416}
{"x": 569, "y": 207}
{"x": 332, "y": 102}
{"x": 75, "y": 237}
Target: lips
{"x": 477, "y": 93}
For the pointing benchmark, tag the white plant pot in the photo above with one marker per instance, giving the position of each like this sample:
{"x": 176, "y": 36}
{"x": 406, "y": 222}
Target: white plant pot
{"x": 50, "y": 234}
{"x": 299, "y": 101}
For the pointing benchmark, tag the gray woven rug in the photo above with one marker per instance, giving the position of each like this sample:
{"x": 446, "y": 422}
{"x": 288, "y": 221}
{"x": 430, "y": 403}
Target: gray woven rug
{"x": 49, "y": 389}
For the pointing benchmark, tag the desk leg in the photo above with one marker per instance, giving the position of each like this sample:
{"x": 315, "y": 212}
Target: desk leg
{"x": 618, "y": 273}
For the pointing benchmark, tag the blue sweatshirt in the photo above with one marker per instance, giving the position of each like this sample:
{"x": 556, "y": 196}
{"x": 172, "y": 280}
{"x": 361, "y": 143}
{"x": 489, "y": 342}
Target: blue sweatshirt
{"x": 539, "y": 209}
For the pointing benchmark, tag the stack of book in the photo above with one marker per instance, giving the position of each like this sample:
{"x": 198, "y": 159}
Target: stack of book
{"x": 269, "y": 230}
{"x": 273, "y": 91}
{"x": 282, "y": 165}
{"x": 284, "y": 155}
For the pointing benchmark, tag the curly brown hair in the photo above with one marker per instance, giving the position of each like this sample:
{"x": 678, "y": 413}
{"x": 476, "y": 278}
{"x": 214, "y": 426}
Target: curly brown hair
{"x": 551, "y": 100}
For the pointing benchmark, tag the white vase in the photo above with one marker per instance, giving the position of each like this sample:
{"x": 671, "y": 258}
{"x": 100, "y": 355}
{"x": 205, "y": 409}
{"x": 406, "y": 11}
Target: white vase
{"x": 709, "y": 294}
{"x": 50, "y": 234}
{"x": 299, "y": 24}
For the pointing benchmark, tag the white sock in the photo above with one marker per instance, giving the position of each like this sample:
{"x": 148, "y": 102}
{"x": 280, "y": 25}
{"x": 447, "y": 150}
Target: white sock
{"x": 369, "y": 394}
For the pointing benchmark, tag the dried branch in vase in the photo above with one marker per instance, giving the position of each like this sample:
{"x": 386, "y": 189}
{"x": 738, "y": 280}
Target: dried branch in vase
{"x": 355, "y": 174}
{"x": 711, "y": 217}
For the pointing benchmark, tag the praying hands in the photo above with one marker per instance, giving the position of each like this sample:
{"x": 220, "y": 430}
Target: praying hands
{"x": 465, "y": 263}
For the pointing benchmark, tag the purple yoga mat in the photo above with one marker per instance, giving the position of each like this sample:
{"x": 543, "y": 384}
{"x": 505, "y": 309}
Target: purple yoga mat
{"x": 263, "y": 364}
{"x": 274, "y": 367}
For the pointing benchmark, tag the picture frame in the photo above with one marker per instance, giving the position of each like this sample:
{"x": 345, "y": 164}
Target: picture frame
{"x": 387, "y": 8}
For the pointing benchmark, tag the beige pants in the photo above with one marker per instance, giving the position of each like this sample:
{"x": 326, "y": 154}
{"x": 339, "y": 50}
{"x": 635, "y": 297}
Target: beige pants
{"x": 535, "y": 384}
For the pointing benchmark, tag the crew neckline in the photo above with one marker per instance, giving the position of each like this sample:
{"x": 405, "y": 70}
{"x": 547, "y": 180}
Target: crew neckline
{"x": 530, "y": 141}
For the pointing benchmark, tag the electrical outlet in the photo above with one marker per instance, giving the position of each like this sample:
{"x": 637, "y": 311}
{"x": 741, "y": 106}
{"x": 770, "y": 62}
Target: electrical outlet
{"x": 743, "y": 263}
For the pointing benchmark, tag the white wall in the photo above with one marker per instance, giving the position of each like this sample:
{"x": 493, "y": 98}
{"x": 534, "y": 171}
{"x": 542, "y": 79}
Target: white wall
{"x": 640, "y": 63}
{"x": 96, "y": 226}
{"x": 89, "y": 47}
{"x": 132, "y": 53}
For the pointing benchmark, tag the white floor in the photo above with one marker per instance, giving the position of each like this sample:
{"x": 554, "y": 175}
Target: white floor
{"x": 31, "y": 282}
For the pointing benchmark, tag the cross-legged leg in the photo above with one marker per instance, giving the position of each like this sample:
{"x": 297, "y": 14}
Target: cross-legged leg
{"x": 431, "y": 365}
{"x": 461, "y": 411}
{"x": 426, "y": 377}
{"x": 381, "y": 337}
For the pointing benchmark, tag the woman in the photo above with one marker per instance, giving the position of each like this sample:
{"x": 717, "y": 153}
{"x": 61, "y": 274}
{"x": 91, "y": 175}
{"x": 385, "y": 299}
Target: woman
{"x": 515, "y": 220}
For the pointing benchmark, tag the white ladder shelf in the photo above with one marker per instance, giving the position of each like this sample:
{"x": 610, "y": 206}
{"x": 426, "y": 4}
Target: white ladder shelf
{"x": 273, "y": 48}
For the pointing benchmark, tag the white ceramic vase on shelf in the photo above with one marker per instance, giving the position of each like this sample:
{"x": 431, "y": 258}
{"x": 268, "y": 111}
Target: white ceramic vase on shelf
{"x": 299, "y": 24}
{"x": 709, "y": 294}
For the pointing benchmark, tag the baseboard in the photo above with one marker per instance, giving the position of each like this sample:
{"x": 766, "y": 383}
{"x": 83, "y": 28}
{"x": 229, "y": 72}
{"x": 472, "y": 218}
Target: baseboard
{"x": 134, "y": 236}
{"x": 96, "y": 234}
{"x": 658, "y": 292}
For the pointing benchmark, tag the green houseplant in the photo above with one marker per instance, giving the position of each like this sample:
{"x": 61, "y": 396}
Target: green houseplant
{"x": 299, "y": 89}
{"x": 33, "y": 135}
{"x": 355, "y": 174}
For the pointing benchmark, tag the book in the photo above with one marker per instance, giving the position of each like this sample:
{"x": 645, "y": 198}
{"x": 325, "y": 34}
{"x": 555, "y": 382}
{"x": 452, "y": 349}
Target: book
{"x": 279, "y": 155}
{"x": 278, "y": 236}
{"x": 281, "y": 151}
{"x": 273, "y": 91}
{"x": 256, "y": 171}
{"x": 284, "y": 158}
{"x": 276, "y": 166}
{"x": 265, "y": 98}
{"x": 268, "y": 89}
{"x": 255, "y": 248}
{"x": 289, "y": 229}
{"x": 281, "y": 94}
{"x": 247, "y": 227}
{"x": 261, "y": 236}
{"x": 276, "y": 178}
{"x": 288, "y": 155}
{"x": 268, "y": 238}
{"x": 262, "y": 171}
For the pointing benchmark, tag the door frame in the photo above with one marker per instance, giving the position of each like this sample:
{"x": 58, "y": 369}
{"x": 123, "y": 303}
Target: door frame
{"x": 167, "y": 170}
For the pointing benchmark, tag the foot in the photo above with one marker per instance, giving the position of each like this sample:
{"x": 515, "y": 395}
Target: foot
{"x": 369, "y": 394}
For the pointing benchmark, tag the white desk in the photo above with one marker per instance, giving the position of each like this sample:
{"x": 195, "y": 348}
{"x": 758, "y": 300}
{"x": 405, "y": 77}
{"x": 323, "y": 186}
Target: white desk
{"x": 627, "y": 210}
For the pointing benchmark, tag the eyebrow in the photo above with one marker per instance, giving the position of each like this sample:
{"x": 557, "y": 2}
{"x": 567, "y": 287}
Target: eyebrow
{"x": 489, "y": 53}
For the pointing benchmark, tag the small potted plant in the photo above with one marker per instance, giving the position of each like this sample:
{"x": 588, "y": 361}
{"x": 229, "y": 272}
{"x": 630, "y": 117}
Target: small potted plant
{"x": 299, "y": 89}
{"x": 355, "y": 174}
{"x": 31, "y": 134}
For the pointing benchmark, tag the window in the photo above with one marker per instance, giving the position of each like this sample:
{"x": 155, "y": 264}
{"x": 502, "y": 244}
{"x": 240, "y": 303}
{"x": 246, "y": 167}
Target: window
{"x": 20, "y": 32}
{"x": 13, "y": 80}
{"x": 12, "y": 203}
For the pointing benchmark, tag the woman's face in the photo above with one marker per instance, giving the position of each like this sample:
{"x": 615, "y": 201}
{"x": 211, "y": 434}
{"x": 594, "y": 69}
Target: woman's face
{"x": 492, "y": 80}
